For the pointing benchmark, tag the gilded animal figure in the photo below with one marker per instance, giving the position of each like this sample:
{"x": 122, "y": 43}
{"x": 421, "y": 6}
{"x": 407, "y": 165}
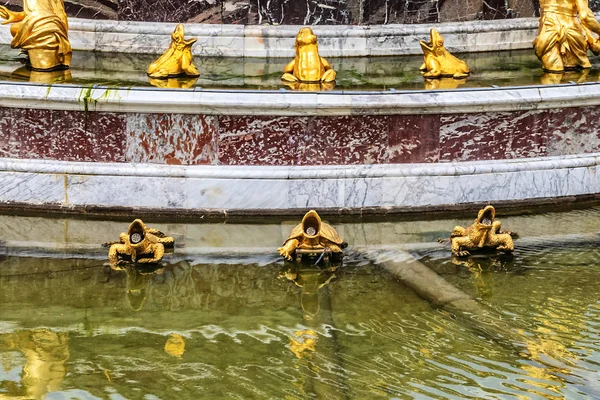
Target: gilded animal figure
{"x": 484, "y": 233}
{"x": 177, "y": 60}
{"x": 438, "y": 62}
{"x": 308, "y": 66}
{"x": 312, "y": 236}
{"x": 140, "y": 244}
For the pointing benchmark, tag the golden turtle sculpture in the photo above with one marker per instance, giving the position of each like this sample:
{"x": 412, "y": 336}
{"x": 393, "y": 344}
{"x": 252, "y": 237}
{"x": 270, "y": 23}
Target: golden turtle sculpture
{"x": 140, "y": 244}
{"x": 484, "y": 233}
{"x": 312, "y": 237}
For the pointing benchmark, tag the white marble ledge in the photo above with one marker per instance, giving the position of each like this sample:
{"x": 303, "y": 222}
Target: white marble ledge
{"x": 278, "y": 41}
{"x": 289, "y": 188}
{"x": 591, "y": 160}
{"x": 289, "y": 103}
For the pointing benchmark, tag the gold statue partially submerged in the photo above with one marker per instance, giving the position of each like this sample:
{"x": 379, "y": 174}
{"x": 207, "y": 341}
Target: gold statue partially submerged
{"x": 565, "y": 33}
{"x": 484, "y": 233}
{"x": 177, "y": 60}
{"x": 312, "y": 237}
{"x": 438, "y": 62}
{"x": 308, "y": 66}
{"x": 140, "y": 244}
{"x": 41, "y": 29}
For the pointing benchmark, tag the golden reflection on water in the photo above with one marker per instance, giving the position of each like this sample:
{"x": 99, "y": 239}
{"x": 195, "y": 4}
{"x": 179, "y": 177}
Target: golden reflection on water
{"x": 138, "y": 280}
{"x": 175, "y": 345}
{"x": 174, "y": 83}
{"x": 551, "y": 78}
{"x": 47, "y": 77}
{"x": 311, "y": 279}
{"x": 303, "y": 343}
{"x": 46, "y": 354}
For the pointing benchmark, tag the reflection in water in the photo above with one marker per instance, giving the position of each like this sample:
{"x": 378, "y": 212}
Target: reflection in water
{"x": 174, "y": 83}
{"x": 444, "y": 83}
{"x": 138, "y": 282}
{"x": 175, "y": 345}
{"x": 46, "y": 353}
{"x": 310, "y": 86}
{"x": 554, "y": 78}
{"x": 303, "y": 342}
{"x": 48, "y": 77}
{"x": 311, "y": 279}
{"x": 476, "y": 265}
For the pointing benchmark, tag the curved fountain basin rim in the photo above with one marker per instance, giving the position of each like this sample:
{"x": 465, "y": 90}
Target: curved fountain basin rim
{"x": 226, "y": 102}
{"x": 300, "y": 172}
{"x": 333, "y": 92}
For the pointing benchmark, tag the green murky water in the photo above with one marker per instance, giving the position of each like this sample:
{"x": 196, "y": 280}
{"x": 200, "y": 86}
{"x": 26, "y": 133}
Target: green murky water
{"x": 506, "y": 68}
{"x": 213, "y": 325}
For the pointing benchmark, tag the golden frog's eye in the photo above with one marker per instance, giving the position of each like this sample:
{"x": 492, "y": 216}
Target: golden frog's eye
{"x": 311, "y": 231}
{"x": 136, "y": 238}
{"x": 440, "y": 43}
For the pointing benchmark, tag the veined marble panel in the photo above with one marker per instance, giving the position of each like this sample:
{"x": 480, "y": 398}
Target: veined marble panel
{"x": 188, "y": 139}
{"x": 93, "y": 9}
{"x": 278, "y": 188}
{"x": 171, "y": 139}
{"x": 61, "y": 135}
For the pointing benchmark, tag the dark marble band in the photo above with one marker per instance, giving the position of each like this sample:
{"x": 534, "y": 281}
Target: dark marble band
{"x": 294, "y": 12}
{"x": 179, "y": 139}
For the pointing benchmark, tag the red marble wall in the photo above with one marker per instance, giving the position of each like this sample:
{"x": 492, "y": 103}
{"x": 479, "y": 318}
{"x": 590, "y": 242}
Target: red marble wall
{"x": 259, "y": 140}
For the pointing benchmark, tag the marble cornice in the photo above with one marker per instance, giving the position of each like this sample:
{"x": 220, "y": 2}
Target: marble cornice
{"x": 282, "y": 102}
{"x": 301, "y": 172}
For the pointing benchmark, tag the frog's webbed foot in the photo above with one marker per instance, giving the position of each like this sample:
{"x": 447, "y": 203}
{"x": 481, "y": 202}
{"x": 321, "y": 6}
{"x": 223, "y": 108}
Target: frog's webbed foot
{"x": 460, "y": 75}
{"x": 329, "y": 76}
{"x": 289, "y": 77}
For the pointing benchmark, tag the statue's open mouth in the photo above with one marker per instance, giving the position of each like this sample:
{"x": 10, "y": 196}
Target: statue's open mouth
{"x": 426, "y": 45}
{"x": 136, "y": 232}
{"x": 311, "y": 224}
{"x": 487, "y": 217}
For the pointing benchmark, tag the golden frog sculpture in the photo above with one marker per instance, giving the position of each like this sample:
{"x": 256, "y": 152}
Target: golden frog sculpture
{"x": 484, "y": 233}
{"x": 438, "y": 62}
{"x": 308, "y": 66}
{"x": 177, "y": 60}
{"x": 41, "y": 29}
{"x": 312, "y": 236}
{"x": 140, "y": 244}
{"x": 566, "y": 31}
